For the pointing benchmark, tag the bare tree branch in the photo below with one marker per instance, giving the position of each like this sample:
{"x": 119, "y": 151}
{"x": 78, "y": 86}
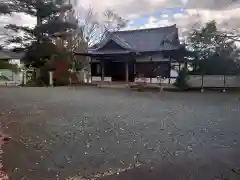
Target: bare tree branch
{"x": 91, "y": 29}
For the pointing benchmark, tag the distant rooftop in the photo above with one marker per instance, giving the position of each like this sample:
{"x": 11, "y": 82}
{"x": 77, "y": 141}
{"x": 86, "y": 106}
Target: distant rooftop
{"x": 4, "y": 56}
{"x": 9, "y": 55}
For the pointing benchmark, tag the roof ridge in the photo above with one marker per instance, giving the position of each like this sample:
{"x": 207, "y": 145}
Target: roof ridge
{"x": 146, "y": 29}
{"x": 122, "y": 41}
{"x": 117, "y": 39}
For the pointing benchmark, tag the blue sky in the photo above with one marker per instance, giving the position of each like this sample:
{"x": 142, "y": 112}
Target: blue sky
{"x": 166, "y": 13}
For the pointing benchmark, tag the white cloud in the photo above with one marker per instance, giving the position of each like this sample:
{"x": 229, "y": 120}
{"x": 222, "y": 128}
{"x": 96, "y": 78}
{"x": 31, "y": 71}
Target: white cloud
{"x": 227, "y": 19}
{"x": 178, "y": 15}
{"x": 196, "y": 11}
{"x": 131, "y": 9}
{"x": 184, "y": 1}
{"x": 227, "y": 14}
{"x": 152, "y": 20}
{"x": 130, "y": 23}
{"x": 164, "y": 16}
{"x": 128, "y": 7}
{"x": 164, "y": 22}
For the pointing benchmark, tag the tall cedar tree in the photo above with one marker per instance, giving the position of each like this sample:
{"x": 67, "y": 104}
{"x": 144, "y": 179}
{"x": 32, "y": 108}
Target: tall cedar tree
{"x": 37, "y": 41}
{"x": 4, "y": 64}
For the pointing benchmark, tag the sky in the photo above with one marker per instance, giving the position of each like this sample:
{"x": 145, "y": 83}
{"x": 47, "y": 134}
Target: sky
{"x": 186, "y": 14}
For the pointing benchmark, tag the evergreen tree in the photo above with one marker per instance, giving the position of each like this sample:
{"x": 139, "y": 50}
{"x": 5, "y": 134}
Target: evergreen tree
{"x": 214, "y": 53}
{"x": 37, "y": 42}
{"x": 5, "y": 64}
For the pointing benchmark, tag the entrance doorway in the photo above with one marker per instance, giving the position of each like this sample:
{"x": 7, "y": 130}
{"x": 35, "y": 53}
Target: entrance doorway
{"x": 117, "y": 70}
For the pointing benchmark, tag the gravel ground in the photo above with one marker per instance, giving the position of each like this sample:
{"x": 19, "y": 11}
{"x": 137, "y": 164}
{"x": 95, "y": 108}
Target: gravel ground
{"x": 64, "y": 132}
{"x": 3, "y": 139}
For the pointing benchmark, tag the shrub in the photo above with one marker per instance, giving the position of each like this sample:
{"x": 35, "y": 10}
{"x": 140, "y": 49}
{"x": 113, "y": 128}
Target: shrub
{"x": 181, "y": 81}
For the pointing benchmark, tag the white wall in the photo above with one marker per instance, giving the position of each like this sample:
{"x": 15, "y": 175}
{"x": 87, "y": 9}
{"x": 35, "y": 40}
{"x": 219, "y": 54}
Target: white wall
{"x": 16, "y": 61}
{"x": 16, "y": 77}
{"x": 7, "y": 73}
{"x": 158, "y": 58}
{"x": 213, "y": 81}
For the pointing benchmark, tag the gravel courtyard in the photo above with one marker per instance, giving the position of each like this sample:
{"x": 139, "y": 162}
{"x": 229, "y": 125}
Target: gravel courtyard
{"x": 64, "y": 132}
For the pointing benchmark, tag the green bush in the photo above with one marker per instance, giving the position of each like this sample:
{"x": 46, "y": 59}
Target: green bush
{"x": 35, "y": 83}
{"x": 181, "y": 81}
{"x": 63, "y": 79}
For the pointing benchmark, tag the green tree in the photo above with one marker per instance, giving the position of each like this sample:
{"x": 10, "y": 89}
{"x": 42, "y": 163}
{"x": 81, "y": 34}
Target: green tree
{"x": 49, "y": 23}
{"x": 214, "y": 53}
{"x": 5, "y": 64}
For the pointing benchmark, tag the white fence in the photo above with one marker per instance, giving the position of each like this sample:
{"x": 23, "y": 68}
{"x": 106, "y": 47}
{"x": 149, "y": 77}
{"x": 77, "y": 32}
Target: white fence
{"x": 214, "y": 81}
{"x": 99, "y": 79}
{"x": 155, "y": 80}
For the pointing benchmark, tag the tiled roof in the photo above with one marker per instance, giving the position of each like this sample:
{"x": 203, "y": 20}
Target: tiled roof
{"x": 10, "y": 54}
{"x": 4, "y": 56}
{"x": 145, "y": 40}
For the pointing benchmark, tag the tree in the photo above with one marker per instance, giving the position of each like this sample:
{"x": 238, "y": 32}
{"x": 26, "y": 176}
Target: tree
{"x": 90, "y": 31}
{"x": 94, "y": 26}
{"x": 214, "y": 53}
{"x": 234, "y": 35}
{"x": 4, "y": 9}
{"x": 48, "y": 15}
{"x": 4, "y": 64}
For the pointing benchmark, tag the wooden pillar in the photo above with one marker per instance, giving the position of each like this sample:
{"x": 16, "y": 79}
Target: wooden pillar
{"x": 202, "y": 86}
{"x": 151, "y": 60}
{"x": 170, "y": 64}
{"x": 102, "y": 69}
{"x": 135, "y": 70}
{"x": 127, "y": 71}
{"x": 24, "y": 77}
{"x": 91, "y": 69}
{"x": 224, "y": 89}
{"x": 51, "y": 78}
{"x": 13, "y": 79}
{"x": 185, "y": 64}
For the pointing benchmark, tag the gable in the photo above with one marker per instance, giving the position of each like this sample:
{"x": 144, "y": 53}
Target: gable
{"x": 155, "y": 39}
{"x": 111, "y": 45}
{"x": 143, "y": 40}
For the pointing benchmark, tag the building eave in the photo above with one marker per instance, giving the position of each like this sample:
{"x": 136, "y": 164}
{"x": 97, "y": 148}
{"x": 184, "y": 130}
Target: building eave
{"x": 102, "y": 54}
